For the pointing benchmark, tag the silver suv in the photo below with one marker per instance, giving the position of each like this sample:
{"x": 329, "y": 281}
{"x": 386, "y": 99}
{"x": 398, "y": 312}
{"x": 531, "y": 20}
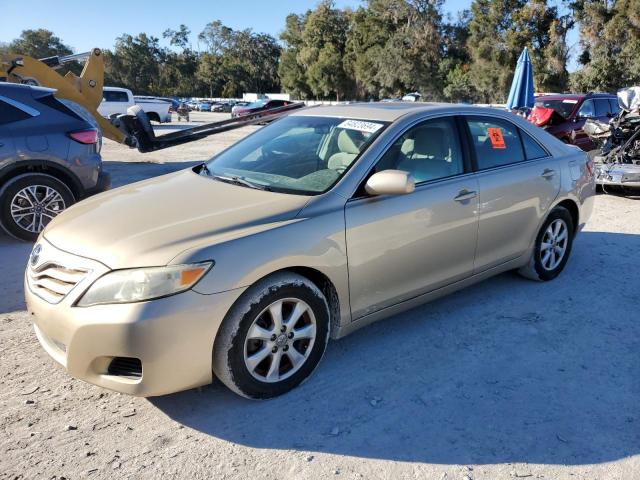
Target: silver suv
{"x": 49, "y": 158}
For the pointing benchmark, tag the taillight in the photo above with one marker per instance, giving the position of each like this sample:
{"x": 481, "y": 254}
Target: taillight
{"x": 88, "y": 137}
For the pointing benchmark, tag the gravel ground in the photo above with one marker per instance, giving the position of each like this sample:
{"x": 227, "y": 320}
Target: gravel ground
{"x": 506, "y": 379}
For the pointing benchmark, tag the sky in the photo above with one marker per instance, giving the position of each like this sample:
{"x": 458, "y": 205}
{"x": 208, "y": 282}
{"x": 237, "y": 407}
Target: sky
{"x": 84, "y": 25}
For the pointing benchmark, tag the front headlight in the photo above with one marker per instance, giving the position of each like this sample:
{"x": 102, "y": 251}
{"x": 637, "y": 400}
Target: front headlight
{"x": 138, "y": 284}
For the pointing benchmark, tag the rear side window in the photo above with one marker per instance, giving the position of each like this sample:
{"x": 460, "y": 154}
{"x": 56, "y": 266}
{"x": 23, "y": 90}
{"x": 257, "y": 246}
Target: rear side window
{"x": 602, "y": 107}
{"x": 114, "y": 96}
{"x": 496, "y": 142}
{"x": 615, "y": 107}
{"x": 10, "y": 114}
{"x": 532, "y": 149}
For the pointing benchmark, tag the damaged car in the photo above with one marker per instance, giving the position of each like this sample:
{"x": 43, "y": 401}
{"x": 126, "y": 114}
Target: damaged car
{"x": 617, "y": 161}
{"x": 564, "y": 115}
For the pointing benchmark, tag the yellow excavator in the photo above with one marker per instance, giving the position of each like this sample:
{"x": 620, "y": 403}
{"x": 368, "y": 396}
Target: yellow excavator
{"x": 132, "y": 129}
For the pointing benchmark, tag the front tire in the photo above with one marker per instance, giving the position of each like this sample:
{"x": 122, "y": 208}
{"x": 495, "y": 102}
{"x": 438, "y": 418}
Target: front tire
{"x": 273, "y": 337}
{"x": 29, "y": 202}
{"x": 552, "y": 247}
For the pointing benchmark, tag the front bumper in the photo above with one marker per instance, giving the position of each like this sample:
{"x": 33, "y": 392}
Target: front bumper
{"x": 616, "y": 174}
{"x": 172, "y": 337}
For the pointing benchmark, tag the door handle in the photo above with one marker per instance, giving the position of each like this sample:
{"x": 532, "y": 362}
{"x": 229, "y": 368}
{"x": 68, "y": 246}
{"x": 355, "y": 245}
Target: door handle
{"x": 465, "y": 195}
{"x": 548, "y": 173}
{"x": 1, "y": 144}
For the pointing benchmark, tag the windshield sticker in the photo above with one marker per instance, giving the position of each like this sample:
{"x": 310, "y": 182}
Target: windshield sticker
{"x": 569, "y": 101}
{"x": 495, "y": 135}
{"x": 359, "y": 125}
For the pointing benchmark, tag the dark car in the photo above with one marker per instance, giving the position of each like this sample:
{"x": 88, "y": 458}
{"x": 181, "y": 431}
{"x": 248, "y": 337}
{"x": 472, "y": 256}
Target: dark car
{"x": 49, "y": 158}
{"x": 564, "y": 115}
{"x": 259, "y": 106}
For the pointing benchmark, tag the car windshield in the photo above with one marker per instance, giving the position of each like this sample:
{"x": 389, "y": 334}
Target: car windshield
{"x": 298, "y": 154}
{"x": 562, "y": 107}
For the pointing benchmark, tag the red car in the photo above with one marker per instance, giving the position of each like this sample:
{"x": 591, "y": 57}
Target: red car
{"x": 259, "y": 106}
{"x": 564, "y": 115}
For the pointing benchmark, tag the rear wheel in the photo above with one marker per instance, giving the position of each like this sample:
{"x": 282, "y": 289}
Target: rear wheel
{"x": 552, "y": 247}
{"x": 273, "y": 338}
{"x": 30, "y": 201}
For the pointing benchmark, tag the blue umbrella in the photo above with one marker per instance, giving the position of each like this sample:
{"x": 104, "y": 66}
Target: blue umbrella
{"x": 521, "y": 93}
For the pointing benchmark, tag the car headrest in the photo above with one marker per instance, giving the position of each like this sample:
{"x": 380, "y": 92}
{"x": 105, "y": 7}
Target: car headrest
{"x": 350, "y": 141}
{"x": 431, "y": 142}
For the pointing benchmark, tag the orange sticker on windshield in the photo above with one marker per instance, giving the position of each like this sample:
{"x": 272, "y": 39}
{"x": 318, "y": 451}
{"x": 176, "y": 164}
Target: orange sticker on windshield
{"x": 495, "y": 135}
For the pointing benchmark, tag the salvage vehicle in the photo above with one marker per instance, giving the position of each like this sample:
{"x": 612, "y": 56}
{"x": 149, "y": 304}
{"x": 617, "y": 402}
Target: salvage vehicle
{"x": 564, "y": 115}
{"x": 617, "y": 161}
{"x": 320, "y": 223}
{"x": 49, "y": 158}
{"x": 257, "y": 107}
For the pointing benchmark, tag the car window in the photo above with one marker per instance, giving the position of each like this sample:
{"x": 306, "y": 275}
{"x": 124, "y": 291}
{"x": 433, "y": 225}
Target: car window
{"x": 496, "y": 142}
{"x": 532, "y": 149}
{"x": 428, "y": 151}
{"x": 297, "y": 154}
{"x": 615, "y": 107}
{"x": 10, "y": 114}
{"x": 563, "y": 107}
{"x": 603, "y": 108}
{"x": 587, "y": 109}
{"x": 114, "y": 96}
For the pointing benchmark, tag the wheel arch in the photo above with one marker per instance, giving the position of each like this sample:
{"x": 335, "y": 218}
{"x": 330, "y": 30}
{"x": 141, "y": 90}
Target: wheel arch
{"x": 47, "y": 168}
{"x": 574, "y": 211}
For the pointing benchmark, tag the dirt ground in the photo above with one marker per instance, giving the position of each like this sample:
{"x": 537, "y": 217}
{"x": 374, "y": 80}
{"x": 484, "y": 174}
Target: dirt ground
{"x": 506, "y": 379}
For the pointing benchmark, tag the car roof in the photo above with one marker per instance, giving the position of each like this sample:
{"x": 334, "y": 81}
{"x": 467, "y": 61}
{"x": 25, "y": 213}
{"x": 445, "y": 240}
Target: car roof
{"x": 387, "y": 111}
{"x": 574, "y": 96}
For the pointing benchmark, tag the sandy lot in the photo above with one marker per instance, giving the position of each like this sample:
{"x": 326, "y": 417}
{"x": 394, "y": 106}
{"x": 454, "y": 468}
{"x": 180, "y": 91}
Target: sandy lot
{"x": 506, "y": 379}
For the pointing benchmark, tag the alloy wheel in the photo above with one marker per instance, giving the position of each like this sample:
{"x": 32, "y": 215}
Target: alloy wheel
{"x": 280, "y": 340}
{"x": 554, "y": 244}
{"x": 33, "y": 207}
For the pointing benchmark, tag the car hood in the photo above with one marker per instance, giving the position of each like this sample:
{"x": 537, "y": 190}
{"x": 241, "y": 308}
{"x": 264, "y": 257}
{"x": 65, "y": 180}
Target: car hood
{"x": 150, "y": 222}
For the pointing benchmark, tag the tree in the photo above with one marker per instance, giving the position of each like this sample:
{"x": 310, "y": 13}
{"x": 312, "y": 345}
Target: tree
{"x": 135, "y": 64}
{"x": 38, "y": 44}
{"x": 610, "y": 41}
{"x": 498, "y": 32}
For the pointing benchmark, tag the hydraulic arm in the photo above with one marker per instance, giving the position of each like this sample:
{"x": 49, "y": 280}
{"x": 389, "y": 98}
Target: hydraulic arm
{"x": 134, "y": 128}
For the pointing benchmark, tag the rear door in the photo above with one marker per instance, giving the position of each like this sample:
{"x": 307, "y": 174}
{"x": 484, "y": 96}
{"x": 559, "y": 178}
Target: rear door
{"x": 518, "y": 180}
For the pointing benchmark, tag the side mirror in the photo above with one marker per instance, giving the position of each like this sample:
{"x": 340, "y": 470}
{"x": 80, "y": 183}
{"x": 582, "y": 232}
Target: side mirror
{"x": 390, "y": 182}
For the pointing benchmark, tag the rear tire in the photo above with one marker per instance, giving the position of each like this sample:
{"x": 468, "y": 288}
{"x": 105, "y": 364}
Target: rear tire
{"x": 273, "y": 337}
{"x": 552, "y": 247}
{"x": 29, "y": 202}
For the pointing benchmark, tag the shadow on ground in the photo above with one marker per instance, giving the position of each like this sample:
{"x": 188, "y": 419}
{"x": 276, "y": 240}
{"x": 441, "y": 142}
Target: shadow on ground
{"x": 505, "y": 371}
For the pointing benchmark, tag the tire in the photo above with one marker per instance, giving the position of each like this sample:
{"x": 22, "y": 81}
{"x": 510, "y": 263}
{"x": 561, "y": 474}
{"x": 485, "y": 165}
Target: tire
{"x": 26, "y": 191}
{"x": 246, "y": 365}
{"x": 542, "y": 267}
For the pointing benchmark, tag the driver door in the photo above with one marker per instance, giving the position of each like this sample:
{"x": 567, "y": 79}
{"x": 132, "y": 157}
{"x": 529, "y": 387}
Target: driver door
{"x": 402, "y": 246}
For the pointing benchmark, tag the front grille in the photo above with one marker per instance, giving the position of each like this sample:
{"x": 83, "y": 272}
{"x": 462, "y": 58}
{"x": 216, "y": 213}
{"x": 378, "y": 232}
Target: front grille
{"x": 52, "y": 282}
{"x": 125, "y": 367}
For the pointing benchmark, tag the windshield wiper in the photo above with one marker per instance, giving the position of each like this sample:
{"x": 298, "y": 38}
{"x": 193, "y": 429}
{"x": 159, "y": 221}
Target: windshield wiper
{"x": 236, "y": 180}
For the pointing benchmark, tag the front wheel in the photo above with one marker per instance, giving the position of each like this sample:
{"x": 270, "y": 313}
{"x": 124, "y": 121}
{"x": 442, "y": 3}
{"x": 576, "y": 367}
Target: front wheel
{"x": 552, "y": 247}
{"x": 273, "y": 337}
{"x": 30, "y": 201}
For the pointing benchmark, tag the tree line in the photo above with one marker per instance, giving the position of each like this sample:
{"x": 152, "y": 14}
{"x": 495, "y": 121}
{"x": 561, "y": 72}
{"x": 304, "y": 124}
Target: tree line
{"x": 382, "y": 49}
